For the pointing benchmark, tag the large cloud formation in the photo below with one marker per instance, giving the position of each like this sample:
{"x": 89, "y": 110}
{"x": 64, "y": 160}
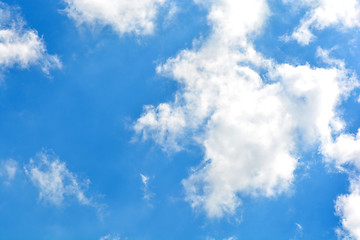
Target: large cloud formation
{"x": 247, "y": 112}
{"x": 21, "y": 46}
{"x": 127, "y": 16}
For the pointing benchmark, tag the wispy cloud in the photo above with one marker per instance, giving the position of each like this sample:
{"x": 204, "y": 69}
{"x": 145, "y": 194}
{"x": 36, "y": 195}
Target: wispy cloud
{"x": 55, "y": 182}
{"x": 298, "y": 227}
{"x": 343, "y": 14}
{"x": 8, "y": 170}
{"x": 147, "y": 193}
{"x": 110, "y": 237}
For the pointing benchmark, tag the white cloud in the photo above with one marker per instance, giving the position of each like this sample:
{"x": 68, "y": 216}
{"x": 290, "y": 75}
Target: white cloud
{"x": 344, "y": 151}
{"x": 21, "y": 46}
{"x": 313, "y": 95}
{"x": 147, "y": 193}
{"x": 126, "y": 16}
{"x": 144, "y": 179}
{"x": 299, "y": 227}
{"x": 325, "y": 13}
{"x": 324, "y": 55}
{"x": 316, "y": 93}
{"x": 8, "y": 170}
{"x": 232, "y": 21}
{"x": 54, "y": 181}
{"x": 348, "y": 208}
{"x": 248, "y": 126}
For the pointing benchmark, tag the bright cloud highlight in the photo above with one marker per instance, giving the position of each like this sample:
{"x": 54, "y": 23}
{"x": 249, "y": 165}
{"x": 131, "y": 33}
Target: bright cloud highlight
{"x": 125, "y": 16}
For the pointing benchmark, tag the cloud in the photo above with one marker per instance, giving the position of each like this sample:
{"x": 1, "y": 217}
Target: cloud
{"x": 8, "y": 170}
{"x": 144, "y": 179}
{"x": 21, "y": 46}
{"x": 147, "y": 193}
{"x": 230, "y": 238}
{"x": 243, "y": 153}
{"x": 250, "y": 125}
{"x": 125, "y": 16}
{"x": 313, "y": 95}
{"x": 54, "y": 181}
{"x": 325, "y": 13}
{"x": 110, "y": 237}
{"x": 298, "y": 233}
{"x": 348, "y": 209}
{"x": 344, "y": 152}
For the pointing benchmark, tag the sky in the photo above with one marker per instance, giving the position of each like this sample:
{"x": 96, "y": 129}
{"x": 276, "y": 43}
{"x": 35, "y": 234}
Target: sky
{"x": 169, "y": 119}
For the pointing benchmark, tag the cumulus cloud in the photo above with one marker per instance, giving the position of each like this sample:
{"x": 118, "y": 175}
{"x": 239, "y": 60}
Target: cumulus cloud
{"x": 54, "y": 181}
{"x": 313, "y": 96}
{"x": 325, "y": 13}
{"x": 125, "y": 16}
{"x": 345, "y": 150}
{"x": 8, "y": 170}
{"x": 21, "y": 46}
{"x": 348, "y": 208}
{"x": 249, "y": 124}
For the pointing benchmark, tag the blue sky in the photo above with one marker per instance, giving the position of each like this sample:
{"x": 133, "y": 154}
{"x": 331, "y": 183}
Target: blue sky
{"x": 166, "y": 119}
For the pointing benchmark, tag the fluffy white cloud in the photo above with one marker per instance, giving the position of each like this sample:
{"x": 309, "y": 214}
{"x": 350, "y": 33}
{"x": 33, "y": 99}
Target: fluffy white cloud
{"x": 345, "y": 150}
{"x": 55, "y": 181}
{"x": 325, "y": 13}
{"x": 21, "y": 46}
{"x": 126, "y": 16}
{"x": 232, "y": 20}
{"x": 248, "y": 124}
{"x": 312, "y": 97}
{"x": 348, "y": 208}
{"x": 246, "y": 136}
{"x": 8, "y": 170}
